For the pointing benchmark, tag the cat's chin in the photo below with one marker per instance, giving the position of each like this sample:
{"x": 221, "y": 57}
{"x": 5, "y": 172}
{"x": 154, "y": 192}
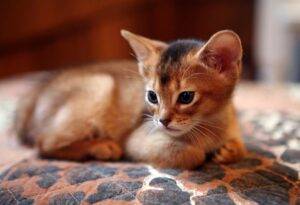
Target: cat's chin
{"x": 173, "y": 132}
{"x": 179, "y": 132}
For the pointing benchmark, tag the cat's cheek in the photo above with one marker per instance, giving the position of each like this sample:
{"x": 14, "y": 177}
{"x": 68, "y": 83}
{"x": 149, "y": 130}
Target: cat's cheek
{"x": 206, "y": 108}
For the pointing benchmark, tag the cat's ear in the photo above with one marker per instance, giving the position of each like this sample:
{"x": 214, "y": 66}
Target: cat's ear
{"x": 223, "y": 52}
{"x": 145, "y": 49}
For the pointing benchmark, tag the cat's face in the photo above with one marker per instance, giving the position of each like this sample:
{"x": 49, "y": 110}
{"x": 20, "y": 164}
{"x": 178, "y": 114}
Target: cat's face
{"x": 187, "y": 80}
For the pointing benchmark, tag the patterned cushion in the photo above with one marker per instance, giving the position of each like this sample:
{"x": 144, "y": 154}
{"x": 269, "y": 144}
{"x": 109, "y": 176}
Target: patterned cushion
{"x": 268, "y": 175}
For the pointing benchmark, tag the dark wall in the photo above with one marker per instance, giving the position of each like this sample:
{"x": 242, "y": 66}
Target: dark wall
{"x": 49, "y": 34}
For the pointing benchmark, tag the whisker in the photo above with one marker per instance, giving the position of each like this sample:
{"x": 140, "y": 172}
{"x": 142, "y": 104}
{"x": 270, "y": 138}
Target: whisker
{"x": 147, "y": 115}
{"x": 147, "y": 120}
{"x": 196, "y": 130}
{"x": 208, "y": 130}
{"x": 193, "y": 137}
{"x": 210, "y": 125}
{"x": 207, "y": 140}
{"x": 210, "y": 139}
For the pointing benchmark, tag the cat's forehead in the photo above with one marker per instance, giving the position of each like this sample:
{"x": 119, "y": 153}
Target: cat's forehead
{"x": 170, "y": 82}
{"x": 173, "y": 60}
{"x": 178, "y": 49}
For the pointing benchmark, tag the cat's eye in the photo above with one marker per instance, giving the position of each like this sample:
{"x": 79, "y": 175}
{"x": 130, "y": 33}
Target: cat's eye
{"x": 152, "y": 97}
{"x": 186, "y": 97}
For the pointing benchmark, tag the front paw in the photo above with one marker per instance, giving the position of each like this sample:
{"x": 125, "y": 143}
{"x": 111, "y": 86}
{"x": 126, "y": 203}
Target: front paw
{"x": 230, "y": 152}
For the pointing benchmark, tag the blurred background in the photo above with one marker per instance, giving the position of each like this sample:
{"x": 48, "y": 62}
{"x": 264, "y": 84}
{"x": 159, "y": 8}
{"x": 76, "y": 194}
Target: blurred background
{"x": 52, "y": 34}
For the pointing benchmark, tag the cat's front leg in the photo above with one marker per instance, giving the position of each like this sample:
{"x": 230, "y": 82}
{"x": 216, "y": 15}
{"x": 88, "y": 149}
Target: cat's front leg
{"x": 232, "y": 151}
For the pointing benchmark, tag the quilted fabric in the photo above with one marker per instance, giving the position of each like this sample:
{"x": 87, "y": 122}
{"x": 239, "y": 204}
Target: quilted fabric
{"x": 268, "y": 175}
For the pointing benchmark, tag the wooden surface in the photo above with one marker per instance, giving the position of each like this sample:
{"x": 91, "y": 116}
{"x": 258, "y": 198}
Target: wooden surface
{"x": 49, "y": 34}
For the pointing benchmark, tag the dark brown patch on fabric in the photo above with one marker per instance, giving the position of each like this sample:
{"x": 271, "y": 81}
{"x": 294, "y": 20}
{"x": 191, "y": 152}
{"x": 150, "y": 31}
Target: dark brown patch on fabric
{"x": 291, "y": 156}
{"x": 257, "y": 150}
{"x": 285, "y": 171}
{"x": 47, "y": 180}
{"x": 48, "y": 174}
{"x": 246, "y": 163}
{"x": 215, "y": 196}
{"x": 67, "y": 198}
{"x": 13, "y": 196}
{"x": 208, "y": 172}
{"x": 33, "y": 171}
{"x": 169, "y": 193}
{"x": 115, "y": 190}
{"x": 260, "y": 189}
{"x": 89, "y": 172}
{"x": 173, "y": 172}
{"x": 275, "y": 178}
{"x": 137, "y": 172}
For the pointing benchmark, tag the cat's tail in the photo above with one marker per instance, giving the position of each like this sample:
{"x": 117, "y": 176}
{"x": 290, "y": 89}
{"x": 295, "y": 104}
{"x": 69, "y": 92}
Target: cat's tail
{"x": 23, "y": 116}
{"x": 26, "y": 107}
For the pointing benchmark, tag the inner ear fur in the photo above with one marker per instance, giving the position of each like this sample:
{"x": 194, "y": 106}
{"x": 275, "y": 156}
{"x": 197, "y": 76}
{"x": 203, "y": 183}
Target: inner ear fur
{"x": 223, "y": 52}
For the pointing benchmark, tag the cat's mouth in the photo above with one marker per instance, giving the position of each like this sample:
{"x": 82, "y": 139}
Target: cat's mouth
{"x": 177, "y": 132}
{"x": 172, "y": 129}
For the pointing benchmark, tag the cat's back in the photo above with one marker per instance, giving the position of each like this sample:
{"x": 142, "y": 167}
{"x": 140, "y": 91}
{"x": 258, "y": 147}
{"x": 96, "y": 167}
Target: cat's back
{"x": 101, "y": 95}
{"x": 120, "y": 72}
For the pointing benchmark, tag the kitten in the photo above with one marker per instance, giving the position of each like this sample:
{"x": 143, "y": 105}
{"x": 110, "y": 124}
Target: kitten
{"x": 97, "y": 111}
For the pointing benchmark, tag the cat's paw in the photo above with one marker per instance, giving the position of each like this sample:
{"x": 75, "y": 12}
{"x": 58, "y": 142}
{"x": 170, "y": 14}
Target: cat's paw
{"x": 106, "y": 150}
{"x": 230, "y": 152}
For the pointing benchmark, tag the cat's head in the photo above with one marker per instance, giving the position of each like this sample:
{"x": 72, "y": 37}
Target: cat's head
{"x": 187, "y": 80}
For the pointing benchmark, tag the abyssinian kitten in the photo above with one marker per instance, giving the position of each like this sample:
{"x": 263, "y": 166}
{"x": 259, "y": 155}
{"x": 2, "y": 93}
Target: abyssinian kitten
{"x": 184, "y": 88}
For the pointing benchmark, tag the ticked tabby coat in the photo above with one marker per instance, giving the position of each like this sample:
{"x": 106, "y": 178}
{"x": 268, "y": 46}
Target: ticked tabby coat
{"x": 170, "y": 110}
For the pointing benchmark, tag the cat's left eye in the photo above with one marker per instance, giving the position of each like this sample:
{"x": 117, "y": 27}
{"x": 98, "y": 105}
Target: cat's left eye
{"x": 152, "y": 97}
{"x": 186, "y": 97}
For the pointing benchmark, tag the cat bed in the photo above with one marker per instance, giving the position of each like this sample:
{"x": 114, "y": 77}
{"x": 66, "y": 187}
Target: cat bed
{"x": 268, "y": 175}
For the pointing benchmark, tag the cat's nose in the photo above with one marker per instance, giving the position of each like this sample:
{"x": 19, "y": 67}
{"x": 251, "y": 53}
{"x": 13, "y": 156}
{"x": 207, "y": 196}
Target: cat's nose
{"x": 165, "y": 121}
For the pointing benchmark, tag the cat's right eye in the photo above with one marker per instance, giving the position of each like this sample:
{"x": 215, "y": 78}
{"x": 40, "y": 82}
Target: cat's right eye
{"x": 152, "y": 97}
{"x": 186, "y": 97}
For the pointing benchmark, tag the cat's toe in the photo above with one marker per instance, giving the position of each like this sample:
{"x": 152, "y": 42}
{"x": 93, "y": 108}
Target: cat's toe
{"x": 229, "y": 154}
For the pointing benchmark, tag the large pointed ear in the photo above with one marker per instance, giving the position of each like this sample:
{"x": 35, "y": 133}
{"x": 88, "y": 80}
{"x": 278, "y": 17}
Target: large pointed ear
{"x": 223, "y": 52}
{"x": 145, "y": 49}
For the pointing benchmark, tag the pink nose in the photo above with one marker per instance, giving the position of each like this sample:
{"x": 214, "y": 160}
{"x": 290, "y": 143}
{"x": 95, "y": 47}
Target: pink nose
{"x": 165, "y": 121}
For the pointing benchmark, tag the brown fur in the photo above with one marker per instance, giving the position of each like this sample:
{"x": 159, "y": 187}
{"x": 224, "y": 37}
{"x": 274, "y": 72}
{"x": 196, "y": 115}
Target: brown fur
{"x": 82, "y": 105}
{"x": 96, "y": 111}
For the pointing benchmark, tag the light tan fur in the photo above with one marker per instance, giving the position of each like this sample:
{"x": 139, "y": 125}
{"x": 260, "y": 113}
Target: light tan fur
{"x": 84, "y": 104}
{"x": 97, "y": 111}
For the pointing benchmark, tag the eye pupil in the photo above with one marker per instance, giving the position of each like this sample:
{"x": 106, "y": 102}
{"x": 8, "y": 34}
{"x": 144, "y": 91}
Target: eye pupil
{"x": 152, "y": 97}
{"x": 186, "y": 97}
